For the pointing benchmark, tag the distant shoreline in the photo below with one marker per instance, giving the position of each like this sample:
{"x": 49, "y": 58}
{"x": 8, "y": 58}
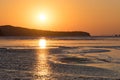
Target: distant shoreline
{"x": 8, "y": 30}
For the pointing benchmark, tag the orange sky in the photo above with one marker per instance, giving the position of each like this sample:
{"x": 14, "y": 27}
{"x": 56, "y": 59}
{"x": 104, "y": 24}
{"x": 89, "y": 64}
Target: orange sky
{"x": 98, "y": 17}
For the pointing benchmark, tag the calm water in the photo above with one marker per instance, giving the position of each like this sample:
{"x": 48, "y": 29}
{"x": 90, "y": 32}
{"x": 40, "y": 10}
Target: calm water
{"x": 60, "y": 58}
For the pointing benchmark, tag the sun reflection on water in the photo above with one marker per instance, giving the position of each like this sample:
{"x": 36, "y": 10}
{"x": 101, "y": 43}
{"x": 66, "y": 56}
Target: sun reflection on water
{"x": 42, "y": 43}
{"x": 42, "y": 69}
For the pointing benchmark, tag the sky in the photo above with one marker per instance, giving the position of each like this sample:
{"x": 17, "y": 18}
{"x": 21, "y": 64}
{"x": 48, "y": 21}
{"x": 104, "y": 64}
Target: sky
{"x": 98, "y": 17}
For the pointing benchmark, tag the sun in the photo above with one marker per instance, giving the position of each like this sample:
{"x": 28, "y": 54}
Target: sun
{"x": 43, "y": 20}
{"x": 42, "y": 17}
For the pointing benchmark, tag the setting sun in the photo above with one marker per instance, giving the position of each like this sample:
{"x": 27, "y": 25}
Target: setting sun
{"x": 42, "y": 17}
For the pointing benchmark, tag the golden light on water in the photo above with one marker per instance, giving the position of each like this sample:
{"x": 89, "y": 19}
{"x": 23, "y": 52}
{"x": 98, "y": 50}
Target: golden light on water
{"x": 42, "y": 69}
{"x": 42, "y": 43}
{"x": 43, "y": 65}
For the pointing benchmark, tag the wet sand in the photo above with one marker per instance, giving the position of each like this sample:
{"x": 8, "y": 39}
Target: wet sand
{"x": 52, "y": 64}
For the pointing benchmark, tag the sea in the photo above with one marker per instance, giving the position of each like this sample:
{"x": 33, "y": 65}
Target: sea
{"x": 60, "y": 58}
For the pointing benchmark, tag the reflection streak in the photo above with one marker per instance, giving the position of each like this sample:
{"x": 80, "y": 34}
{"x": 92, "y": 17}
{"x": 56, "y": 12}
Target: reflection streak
{"x": 42, "y": 68}
{"x": 42, "y": 43}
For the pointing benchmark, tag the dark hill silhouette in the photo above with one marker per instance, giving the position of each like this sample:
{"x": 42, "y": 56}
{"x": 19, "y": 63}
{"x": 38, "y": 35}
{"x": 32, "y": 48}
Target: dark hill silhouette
{"x": 8, "y": 30}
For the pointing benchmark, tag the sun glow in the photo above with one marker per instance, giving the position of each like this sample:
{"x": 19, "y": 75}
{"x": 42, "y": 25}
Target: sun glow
{"x": 44, "y": 20}
{"x": 42, "y": 17}
{"x": 42, "y": 43}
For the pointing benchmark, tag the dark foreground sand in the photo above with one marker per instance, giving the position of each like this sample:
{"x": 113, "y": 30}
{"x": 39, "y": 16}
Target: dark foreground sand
{"x": 30, "y": 64}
